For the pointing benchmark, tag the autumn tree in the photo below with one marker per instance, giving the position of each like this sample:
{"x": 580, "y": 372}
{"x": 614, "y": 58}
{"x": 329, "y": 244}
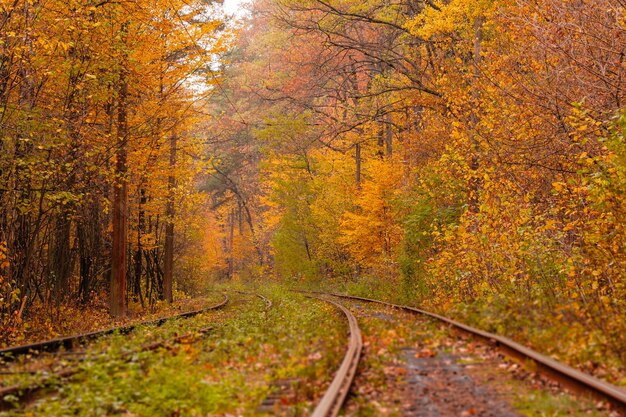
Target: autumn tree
{"x": 91, "y": 94}
{"x": 466, "y": 150}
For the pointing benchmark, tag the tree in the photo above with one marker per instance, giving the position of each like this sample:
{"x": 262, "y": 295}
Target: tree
{"x": 85, "y": 119}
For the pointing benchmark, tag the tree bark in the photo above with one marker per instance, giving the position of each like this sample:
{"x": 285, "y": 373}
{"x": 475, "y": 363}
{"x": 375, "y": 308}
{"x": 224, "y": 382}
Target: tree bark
{"x": 138, "y": 258}
{"x": 475, "y": 182}
{"x": 60, "y": 262}
{"x": 231, "y": 240}
{"x": 120, "y": 199}
{"x": 168, "y": 263}
{"x": 357, "y": 157}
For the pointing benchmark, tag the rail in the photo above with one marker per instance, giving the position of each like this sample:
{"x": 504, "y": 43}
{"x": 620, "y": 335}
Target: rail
{"x": 335, "y": 395}
{"x": 564, "y": 374}
{"x": 70, "y": 342}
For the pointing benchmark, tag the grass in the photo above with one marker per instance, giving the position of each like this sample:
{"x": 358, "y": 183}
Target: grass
{"x": 230, "y": 371}
{"x": 253, "y": 353}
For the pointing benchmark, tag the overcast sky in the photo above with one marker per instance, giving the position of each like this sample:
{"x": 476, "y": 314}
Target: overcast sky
{"x": 232, "y": 6}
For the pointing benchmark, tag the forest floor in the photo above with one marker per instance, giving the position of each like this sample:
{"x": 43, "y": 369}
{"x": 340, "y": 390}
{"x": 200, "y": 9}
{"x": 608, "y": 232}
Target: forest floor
{"x": 255, "y": 360}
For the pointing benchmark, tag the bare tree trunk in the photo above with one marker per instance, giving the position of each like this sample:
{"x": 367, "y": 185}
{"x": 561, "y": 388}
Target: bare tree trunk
{"x": 120, "y": 199}
{"x": 255, "y": 240}
{"x": 89, "y": 236}
{"x": 138, "y": 257}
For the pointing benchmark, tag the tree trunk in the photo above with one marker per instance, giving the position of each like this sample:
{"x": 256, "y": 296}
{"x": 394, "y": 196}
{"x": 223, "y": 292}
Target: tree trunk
{"x": 388, "y": 136}
{"x": 357, "y": 157}
{"x": 88, "y": 234}
{"x": 231, "y": 238}
{"x": 168, "y": 263}
{"x": 138, "y": 257}
{"x": 60, "y": 262}
{"x": 475, "y": 182}
{"x": 120, "y": 199}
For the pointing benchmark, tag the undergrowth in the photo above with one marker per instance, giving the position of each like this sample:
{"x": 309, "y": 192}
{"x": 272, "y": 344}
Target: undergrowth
{"x": 249, "y": 353}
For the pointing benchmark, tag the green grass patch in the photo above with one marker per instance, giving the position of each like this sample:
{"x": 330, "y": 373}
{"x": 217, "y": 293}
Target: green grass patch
{"x": 250, "y": 352}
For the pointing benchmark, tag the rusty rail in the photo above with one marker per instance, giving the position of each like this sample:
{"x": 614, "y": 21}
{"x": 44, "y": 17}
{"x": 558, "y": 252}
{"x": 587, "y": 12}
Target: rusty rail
{"x": 268, "y": 302}
{"x": 333, "y": 399}
{"x": 69, "y": 342}
{"x": 573, "y": 379}
{"x": 13, "y": 395}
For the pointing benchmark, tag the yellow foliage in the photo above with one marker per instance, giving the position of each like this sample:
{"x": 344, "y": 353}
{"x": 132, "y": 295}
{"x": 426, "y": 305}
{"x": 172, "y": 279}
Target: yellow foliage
{"x": 371, "y": 231}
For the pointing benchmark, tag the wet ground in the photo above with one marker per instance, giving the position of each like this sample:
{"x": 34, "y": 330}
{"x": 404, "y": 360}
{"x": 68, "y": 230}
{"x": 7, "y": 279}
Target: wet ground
{"x": 415, "y": 367}
{"x": 439, "y": 385}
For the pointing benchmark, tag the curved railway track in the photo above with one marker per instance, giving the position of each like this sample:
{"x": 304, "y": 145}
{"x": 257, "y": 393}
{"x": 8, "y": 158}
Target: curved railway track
{"x": 70, "y": 342}
{"x": 267, "y": 301}
{"x": 15, "y": 395}
{"x": 329, "y": 405}
{"x": 333, "y": 399}
{"x": 573, "y": 379}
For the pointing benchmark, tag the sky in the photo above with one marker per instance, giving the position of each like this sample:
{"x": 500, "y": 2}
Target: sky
{"x": 233, "y": 6}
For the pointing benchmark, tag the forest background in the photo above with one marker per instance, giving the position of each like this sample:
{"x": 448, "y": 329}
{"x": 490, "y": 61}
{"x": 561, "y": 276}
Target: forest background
{"x": 467, "y": 156}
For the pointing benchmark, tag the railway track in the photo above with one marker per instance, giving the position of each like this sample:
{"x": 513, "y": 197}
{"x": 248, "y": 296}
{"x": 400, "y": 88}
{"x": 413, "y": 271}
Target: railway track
{"x": 13, "y": 395}
{"x": 330, "y": 404}
{"x": 267, "y": 301}
{"x": 569, "y": 377}
{"x": 70, "y": 342}
{"x": 19, "y": 394}
{"x": 333, "y": 399}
